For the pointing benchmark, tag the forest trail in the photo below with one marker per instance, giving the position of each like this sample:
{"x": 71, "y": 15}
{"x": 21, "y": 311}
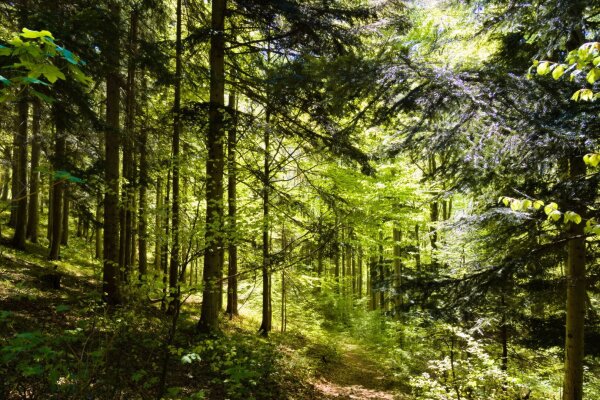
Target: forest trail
{"x": 356, "y": 375}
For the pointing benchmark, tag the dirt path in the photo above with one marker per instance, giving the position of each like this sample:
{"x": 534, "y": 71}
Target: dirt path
{"x": 356, "y": 376}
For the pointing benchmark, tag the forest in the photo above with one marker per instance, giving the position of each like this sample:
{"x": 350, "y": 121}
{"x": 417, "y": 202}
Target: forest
{"x": 300, "y": 199}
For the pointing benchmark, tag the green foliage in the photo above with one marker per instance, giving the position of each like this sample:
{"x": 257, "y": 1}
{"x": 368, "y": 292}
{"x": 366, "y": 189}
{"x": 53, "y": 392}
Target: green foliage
{"x": 34, "y": 56}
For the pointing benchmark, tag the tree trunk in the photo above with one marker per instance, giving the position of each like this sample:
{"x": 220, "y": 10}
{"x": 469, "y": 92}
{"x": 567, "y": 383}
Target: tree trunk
{"x": 576, "y": 292}
{"x": 232, "y": 280}
{"x": 111, "y": 289}
{"x": 158, "y": 225}
{"x": 6, "y": 174}
{"x": 143, "y": 201}
{"x": 397, "y": 269}
{"x": 20, "y": 174}
{"x": 34, "y": 177}
{"x": 98, "y": 226}
{"x": 372, "y": 281}
{"x": 360, "y": 272}
{"x": 267, "y": 314}
{"x": 382, "y": 274}
{"x": 176, "y": 159}
{"x": 64, "y": 236}
{"x": 283, "y": 289}
{"x": 57, "y": 182}
{"x": 128, "y": 193}
{"x": 14, "y": 181}
{"x": 209, "y": 319}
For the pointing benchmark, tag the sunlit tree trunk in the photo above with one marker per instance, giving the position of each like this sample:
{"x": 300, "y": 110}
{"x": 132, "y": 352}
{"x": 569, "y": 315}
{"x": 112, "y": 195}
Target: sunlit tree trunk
{"x": 33, "y": 219}
{"x": 576, "y": 293}
{"x": 143, "y": 201}
{"x": 267, "y": 314}
{"x": 20, "y": 175}
{"x": 57, "y": 184}
{"x": 209, "y": 318}
{"x": 64, "y": 236}
{"x": 397, "y": 269}
{"x": 176, "y": 158}
{"x": 110, "y": 277}
{"x": 232, "y": 279}
{"x": 359, "y": 286}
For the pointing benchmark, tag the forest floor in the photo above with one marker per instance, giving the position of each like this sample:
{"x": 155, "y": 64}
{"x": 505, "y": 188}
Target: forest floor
{"x": 356, "y": 375}
{"x": 348, "y": 369}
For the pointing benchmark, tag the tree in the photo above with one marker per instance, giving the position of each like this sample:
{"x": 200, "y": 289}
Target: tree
{"x": 214, "y": 173}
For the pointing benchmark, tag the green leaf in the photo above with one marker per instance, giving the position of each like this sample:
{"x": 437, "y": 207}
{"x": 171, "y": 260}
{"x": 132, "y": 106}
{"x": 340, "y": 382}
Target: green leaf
{"x": 537, "y": 204}
{"x": 4, "y": 81}
{"x": 543, "y": 68}
{"x": 516, "y": 205}
{"x": 5, "y": 51}
{"x": 29, "y": 34}
{"x": 558, "y": 72}
{"x": 550, "y": 207}
{"x": 527, "y": 204}
{"x": 42, "y": 96}
{"x": 554, "y": 215}
{"x": 67, "y": 55}
{"x": 576, "y": 95}
{"x": 52, "y": 73}
{"x": 593, "y": 75}
{"x": 571, "y": 216}
{"x": 506, "y": 201}
{"x": 29, "y": 80}
{"x": 586, "y": 95}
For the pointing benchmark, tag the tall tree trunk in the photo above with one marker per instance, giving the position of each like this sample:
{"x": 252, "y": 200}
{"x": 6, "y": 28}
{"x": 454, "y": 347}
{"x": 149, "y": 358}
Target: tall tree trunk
{"x": 6, "y": 175}
{"x": 98, "y": 226}
{"x": 128, "y": 193}
{"x": 209, "y": 319}
{"x": 267, "y": 312}
{"x": 576, "y": 293}
{"x": 57, "y": 183}
{"x": 360, "y": 272}
{"x": 50, "y": 208}
{"x": 417, "y": 249}
{"x": 283, "y": 288}
{"x": 33, "y": 219}
{"x": 20, "y": 174}
{"x": 143, "y": 201}
{"x": 397, "y": 269}
{"x": 174, "y": 266}
{"x": 14, "y": 181}
{"x": 372, "y": 281}
{"x": 382, "y": 268}
{"x": 64, "y": 236}
{"x": 158, "y": 225}
{"x": 111, "y": 287}
{"x": 232, "y": 279}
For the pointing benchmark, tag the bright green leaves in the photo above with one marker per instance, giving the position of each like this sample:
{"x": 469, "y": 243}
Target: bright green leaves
{"x": 585, "y": 60}
{"x": 571, "y": 216}
{"x": 584, "y": 94}
{"x": 593, "y": 75}
{"x": 558, "y": 72}
{"x": 537, "y": 204}
{"x": 29, "y": 34}
{"x": 543, "y": 68}
{"x": 551, "y": 209}
{"x": 592, "y": 159}
{"x": 36, "y": 54}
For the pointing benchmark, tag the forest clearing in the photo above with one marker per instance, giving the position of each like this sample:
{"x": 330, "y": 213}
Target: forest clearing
{"x": 299, "y": 199}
